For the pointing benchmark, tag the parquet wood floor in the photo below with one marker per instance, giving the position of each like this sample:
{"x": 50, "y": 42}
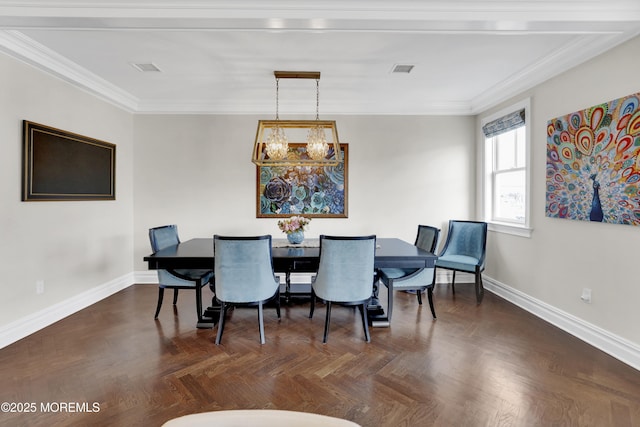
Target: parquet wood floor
{"x": 487, "y": 365}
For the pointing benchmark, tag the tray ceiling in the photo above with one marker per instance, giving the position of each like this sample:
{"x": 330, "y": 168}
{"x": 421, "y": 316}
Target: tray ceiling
{"x": 219, "y": 56}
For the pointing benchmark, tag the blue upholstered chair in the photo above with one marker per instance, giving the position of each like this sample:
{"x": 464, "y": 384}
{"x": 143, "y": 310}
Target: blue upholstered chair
{"x": 244, "y": 276}
{"x": 345, "y": 276}
{"x": 465, "y": 251}
{"x": 160, "y": 238}
{"x": 413, "y": 279}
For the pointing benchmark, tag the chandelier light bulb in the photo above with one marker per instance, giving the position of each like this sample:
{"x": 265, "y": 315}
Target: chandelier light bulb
{"x": 277, "y": 145}
{"x": 317, "y": 147}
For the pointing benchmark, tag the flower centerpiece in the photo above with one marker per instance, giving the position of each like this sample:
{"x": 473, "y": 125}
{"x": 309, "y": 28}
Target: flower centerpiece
{"x": 294, "y": 228}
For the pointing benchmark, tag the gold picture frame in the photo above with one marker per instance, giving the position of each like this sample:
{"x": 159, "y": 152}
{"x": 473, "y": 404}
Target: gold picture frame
{"x": 312, "y": 191}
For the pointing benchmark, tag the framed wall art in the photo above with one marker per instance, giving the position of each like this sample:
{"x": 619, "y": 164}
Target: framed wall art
{"x": 593, "y": 163}
{"x": 59, "y": 165}
{"x": 312, "y": 191}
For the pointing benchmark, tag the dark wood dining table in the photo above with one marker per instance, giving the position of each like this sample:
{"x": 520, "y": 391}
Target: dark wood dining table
{"x": 288, "y": 258}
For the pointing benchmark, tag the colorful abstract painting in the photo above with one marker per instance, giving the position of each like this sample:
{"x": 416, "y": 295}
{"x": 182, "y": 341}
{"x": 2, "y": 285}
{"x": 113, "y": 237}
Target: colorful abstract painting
{"x": 312, "y": 191}
{"x": 593, "y": 163}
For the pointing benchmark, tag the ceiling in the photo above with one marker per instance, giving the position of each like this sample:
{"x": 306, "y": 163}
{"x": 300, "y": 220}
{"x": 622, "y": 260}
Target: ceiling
{"x": 219, "y": 56}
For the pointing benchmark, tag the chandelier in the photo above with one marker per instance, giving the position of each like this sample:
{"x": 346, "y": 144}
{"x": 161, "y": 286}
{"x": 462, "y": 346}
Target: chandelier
{"x": 321, "y": 147}
{"x": 277, "y": 146}
{"x": 317, "y": 147}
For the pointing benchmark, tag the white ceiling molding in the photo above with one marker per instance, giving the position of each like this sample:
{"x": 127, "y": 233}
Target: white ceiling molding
{"x": 571, "y": 55}
{"x": 23, "y": 48}
{"x": 217, "y": 57}
{"x": 313, "y": 14}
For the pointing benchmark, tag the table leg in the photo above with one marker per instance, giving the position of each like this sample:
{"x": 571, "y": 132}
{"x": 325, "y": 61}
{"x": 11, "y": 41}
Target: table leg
{"x": 375, "y": 312}
{"x": 287, "y": 287}
{"x": 211, "y": 315}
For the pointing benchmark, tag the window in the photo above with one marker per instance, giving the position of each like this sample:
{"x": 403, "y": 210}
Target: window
{"x": 506, "y": 170}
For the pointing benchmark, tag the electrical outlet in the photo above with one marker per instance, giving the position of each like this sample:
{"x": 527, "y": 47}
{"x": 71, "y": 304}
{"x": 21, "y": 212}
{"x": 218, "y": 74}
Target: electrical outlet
{"x": 40, "y": 286}
{"x": 586, "y": 295}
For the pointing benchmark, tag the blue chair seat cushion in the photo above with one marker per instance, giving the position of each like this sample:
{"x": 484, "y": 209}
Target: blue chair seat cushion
{"x": 395, "y": 273}
{"x": 196, "y": 274}
{"x": 168, "y": 280}
{"x": 458, "y": 262}
{"x": 407, "y": 278}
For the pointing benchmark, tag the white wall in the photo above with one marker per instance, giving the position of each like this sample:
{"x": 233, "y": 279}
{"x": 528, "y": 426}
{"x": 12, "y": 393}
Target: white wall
{"x": 75, "y": 247}
{"x": 195, "y": 171}
{"x": 564, "y": 256}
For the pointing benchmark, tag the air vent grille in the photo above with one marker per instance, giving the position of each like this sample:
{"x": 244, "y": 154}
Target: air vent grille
{"x": 146, "y": 67}
{"x": 402, "y": 68}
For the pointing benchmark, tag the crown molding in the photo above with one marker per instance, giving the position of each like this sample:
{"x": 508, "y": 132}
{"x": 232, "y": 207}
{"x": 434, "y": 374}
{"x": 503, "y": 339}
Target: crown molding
{"x": 328, "y": 109}
{"x": 417, "y": 14}
{"x": 601, "y": 26}
{"x": 569, "y": 56}
{"x": 20, "y": 47}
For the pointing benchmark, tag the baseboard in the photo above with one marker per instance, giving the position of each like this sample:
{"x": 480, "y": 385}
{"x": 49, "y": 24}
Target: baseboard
{"x": 27, "y": 325}
{"x": 615, "y": 346}
{"x": 445, "y": 276}
{"x": 146, "y": 277}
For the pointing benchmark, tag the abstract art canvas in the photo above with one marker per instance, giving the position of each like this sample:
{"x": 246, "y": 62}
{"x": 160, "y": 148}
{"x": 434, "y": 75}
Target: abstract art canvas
{"x": 311, "y": 191}
{"x": 593, "y": 163}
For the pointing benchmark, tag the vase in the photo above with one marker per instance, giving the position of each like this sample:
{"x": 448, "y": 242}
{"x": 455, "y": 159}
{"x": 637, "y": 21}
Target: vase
{"x": 296, "y": 237}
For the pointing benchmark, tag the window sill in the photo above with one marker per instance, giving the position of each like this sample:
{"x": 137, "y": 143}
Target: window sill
{"x": 515, "y": 230}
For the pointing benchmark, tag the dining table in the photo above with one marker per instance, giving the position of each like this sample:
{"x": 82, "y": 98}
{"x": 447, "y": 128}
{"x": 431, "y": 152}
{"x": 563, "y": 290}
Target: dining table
{"x": 288, "y": 258}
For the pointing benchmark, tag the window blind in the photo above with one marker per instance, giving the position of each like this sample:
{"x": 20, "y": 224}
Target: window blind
{"x": 504, "y": 124}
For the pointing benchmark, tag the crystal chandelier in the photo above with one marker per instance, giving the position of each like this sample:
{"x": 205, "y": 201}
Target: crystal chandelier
{"x": 277, "y": 145}
{"x": 321, "y": 147}
{"x": 317, "y": 147}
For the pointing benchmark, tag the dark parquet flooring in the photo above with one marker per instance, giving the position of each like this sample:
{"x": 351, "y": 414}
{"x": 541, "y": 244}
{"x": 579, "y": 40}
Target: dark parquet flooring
{"x": 487, "y": 365}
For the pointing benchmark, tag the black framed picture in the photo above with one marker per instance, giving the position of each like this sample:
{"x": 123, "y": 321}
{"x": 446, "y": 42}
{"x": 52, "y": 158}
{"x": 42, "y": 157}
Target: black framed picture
{"x": 60, "y": 165}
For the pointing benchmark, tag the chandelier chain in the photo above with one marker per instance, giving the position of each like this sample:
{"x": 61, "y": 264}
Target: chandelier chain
{"x": 277, "y": 97}
{"x": 317, "y": 99}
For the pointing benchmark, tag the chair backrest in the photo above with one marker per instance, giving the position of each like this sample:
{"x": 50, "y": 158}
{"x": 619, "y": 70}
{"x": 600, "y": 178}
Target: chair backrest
{"x": 243, "y": 268}
{"x": 346, "y": 269}
{"x": 427, "y": 238}
{"x": 466, "y": 238}
{"x": 162, "y": 237}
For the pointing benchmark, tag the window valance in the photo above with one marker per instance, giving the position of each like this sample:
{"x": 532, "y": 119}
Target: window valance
{"x": 504, "y": 124}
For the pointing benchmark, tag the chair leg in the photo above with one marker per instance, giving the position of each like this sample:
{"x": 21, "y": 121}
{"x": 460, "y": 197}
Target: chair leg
{"x": 223, "y": 313}
{"x": 326, "y": 323}
{"x": 198, "y": 301}
{"x": 419, "y": 293}
{"x": 278, "y": 302}
{"x": 365, "y": 323}
{"x": 479, "y": 287}
{"x": 313, "y": 304}
{"x": 390, "y": 293}
{"x": 160, "y": 298}
{"x": 430, "y": 295}
{"x": 261, "y": 323}
{"x": 453, "y": 283}
{"x": 175, "y": 296}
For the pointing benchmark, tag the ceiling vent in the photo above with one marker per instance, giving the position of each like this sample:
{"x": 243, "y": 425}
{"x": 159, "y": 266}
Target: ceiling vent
{"x": 146, "y": 68}
{"x": 401, "y": 68}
